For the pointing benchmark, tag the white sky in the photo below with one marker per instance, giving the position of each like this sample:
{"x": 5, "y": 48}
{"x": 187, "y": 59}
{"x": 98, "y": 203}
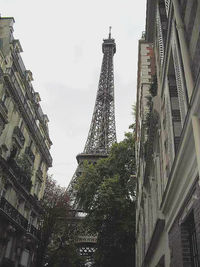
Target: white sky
{"x": 62, "y": 47}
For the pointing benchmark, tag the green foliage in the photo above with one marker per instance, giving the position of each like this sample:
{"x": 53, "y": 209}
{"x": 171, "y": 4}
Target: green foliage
{"x": 64, "y": 256}
{"x": 56, "y": 247}
{"x": 24, "y": 165}
{"x": 106, "y": 191}
{"x": 154, "y": 86}
{"x": 134, "y": 113}
{"x": 150, "y": 125}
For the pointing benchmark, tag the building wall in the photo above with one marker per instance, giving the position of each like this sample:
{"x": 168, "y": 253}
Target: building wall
{"x": 168, "y": 173}
{"x": 24, "y": 154}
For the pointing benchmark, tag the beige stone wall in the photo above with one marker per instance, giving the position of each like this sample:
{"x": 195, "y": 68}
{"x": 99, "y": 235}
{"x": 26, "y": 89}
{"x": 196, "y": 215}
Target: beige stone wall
{"x": 24, "y": 150}
{"x": 174, "y": 172}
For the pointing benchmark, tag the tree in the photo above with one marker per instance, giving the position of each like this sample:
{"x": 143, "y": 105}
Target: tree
{"x": 134, "y": 114}
{"x": 57, "y": 243}
{"x": 106, "y": 191}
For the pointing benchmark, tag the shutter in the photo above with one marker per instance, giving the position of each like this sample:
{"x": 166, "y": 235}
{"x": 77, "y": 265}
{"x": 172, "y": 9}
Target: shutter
{"x": 160, "y": 37}
{"x": 167, "y": 5}
{"x": 179, "y": 78}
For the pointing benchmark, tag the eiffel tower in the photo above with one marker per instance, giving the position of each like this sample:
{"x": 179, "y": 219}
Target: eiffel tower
{"x": 102, "y": 133}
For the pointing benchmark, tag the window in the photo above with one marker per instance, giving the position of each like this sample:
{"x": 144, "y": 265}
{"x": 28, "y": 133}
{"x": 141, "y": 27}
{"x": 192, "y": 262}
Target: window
{"x": 21, "y": 125}
{"x": 37, "y": 187}
{"x": 25, "y": 258}
{"x": 41, "y": 166}
{"x": 3, "y": 99}
{"x": 14, "y": 152}
{"x": 20, "y": 205}
{"x": 26, "y": 212}
{"x": 189, "y": 241}
{"x": 9, "y": 248}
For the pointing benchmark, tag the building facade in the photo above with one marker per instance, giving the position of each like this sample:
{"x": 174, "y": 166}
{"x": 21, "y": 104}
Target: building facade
{"x": 24, "y": 154}
{"x": 168, "y": 136}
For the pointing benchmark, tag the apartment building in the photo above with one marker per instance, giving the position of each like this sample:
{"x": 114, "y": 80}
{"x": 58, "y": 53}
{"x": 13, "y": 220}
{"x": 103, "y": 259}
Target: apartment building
{"x": 168, "y": 136}
{"x": 24, "y": 154}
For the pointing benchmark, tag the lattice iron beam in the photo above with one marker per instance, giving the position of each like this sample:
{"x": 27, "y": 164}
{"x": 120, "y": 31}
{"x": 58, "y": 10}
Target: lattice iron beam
{"x": 102, "y": 133}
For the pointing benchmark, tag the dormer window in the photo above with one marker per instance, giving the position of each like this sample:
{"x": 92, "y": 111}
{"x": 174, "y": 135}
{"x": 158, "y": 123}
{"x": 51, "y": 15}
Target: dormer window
{"x": 29, "y": 75}
{"x": 17, "y": 46}
{"x": 37, "y": 97}
{"x": 41, "y": 165}
{"x": 45, "y": 119}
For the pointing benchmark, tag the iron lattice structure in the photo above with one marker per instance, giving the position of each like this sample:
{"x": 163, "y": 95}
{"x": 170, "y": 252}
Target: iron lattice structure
{"x": 102, "y": 133}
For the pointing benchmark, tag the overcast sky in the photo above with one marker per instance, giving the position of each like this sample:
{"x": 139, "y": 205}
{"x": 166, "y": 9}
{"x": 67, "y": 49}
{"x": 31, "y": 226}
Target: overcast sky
{"x": 62, "y": 42}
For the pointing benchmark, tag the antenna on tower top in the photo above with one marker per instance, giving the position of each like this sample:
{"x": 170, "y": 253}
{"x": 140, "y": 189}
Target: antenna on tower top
{"x": 110, "y": 32}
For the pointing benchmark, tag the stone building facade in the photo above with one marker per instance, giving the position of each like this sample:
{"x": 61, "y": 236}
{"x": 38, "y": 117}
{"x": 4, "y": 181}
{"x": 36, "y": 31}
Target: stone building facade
{"x": 168, "y": 136}
{"x": 24, "y": 154}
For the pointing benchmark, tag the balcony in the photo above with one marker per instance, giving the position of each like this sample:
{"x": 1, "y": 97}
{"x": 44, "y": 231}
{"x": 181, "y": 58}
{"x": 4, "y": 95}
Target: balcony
{"x": 18, "y": 94}
{"x": 18, "y": 136}
{"x": 3, "y": 111}
{"x": 29, "y": 153}
{"x": 33, "y": 231}
{"x": 21, "y": 175}
{"x": 13, "y": 214}
{"x": 17, "y": 218}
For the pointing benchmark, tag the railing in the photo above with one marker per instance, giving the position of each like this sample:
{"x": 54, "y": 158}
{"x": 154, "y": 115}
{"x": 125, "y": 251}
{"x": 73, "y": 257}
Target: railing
{"x": 20, "y": 137}
{"x": 87, "y": 239}
{"x": 33, "y": 231}
{"x": 3, "y": 106}
{"x": 3, "y": 111}
{"x": 18, "y": 93}
{"x": 22, "y": 177}
{"x": 13, "y": 213}
{"x": 17, "y": 217}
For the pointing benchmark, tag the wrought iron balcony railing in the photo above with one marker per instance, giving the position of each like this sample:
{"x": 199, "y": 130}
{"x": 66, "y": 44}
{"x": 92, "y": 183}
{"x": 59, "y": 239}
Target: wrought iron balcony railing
{"x": 22, "y": 176}
{"x": 23, "y": 105}
{"x": 13, "y": 213}
{"x": 17, "y": 218}
{"x": 18, "y": 135}
{"x": 3, "y": 111}
{"x": 33, "y": 231}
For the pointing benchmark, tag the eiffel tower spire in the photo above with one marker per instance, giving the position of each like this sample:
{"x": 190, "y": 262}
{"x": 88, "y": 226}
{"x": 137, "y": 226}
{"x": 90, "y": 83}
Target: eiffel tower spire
{"x": 102, "y": 133}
